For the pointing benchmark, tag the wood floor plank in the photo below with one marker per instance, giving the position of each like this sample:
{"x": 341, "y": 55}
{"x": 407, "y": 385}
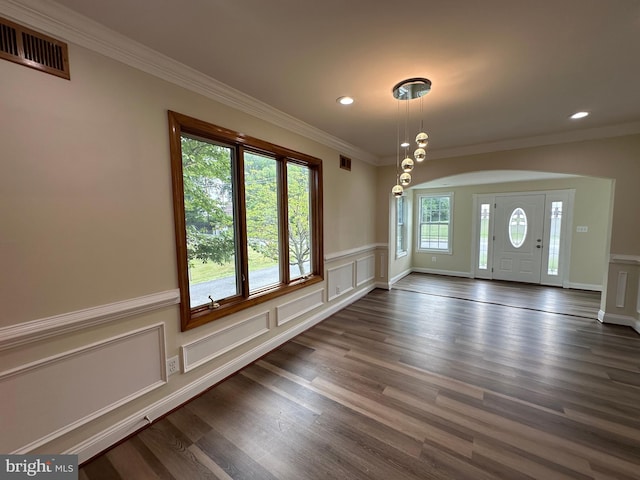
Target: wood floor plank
{"x": 192, "y": 426}
{"x": 170, "y": 447}
{"x": 129, "y": 462}
{"x": 624, "y": 426}
{"x": 441, "y": 379}
{"x": 148, "y": 457}
{"x": 342, "y": 415}
{"x": 101, "y": 469}
{"x": 207, "y": 462}
{"x": 569, "y": 444}
{"x": 233, "y": 461}
{"x": 433, "y": 379}
{"x": 534, "y": 468}
{"x": 511, "y": 435}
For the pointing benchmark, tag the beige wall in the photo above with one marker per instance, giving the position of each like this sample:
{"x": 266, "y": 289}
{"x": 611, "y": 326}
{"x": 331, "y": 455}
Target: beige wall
{"x": 588, "y": 250}
{"x": 86, "y": 189}
{"x": 86, "y": 222}
{"x": 615, "y": 158}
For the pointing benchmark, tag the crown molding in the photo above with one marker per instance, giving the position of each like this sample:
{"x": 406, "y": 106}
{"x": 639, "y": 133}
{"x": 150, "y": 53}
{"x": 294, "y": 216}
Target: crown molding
{"x": 68, "y": 25}
{"x": 595, "y": 133}
{"x": 608, "y": 131}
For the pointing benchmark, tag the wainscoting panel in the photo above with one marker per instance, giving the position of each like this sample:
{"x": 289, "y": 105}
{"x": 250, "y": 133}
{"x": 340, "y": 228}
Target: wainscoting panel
{"x": 365, "y": 270}
{"x": 621, "y": 291}
{"x": 207, "y": 348}
{"x": 622, "y": 305}
{"x": 340, "y": 280}
{"x": 383, "y": 265}
{"x": 299, "y": 306}
{"x": 50, "y": 397}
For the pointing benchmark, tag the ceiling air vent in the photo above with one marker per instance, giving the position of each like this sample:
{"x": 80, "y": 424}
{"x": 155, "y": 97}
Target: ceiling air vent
{"x": 33, "y": 49}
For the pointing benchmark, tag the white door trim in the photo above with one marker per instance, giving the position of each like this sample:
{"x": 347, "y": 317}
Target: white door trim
{"x": 566, "y": 195}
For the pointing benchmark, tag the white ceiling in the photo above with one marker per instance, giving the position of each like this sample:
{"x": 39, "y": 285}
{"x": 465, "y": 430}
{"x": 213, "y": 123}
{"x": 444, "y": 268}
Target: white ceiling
{"x": 505, "y": 73}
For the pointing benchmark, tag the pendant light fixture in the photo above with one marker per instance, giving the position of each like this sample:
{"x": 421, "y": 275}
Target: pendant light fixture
{"x": 407, "y": 90}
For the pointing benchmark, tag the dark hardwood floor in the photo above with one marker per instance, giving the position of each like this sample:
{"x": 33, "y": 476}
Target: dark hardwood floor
{"x": 534, "y": 297}
{"x": 455, "y": 379}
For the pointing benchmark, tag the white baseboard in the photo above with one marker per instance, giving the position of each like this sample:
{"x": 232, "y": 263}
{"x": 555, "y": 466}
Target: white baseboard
{"x": 583, "y": 286}
{"x": 383, "y": 285}
{"x": 448, "y": 273}
{"x": 400, "y": 276}
{"x": 614, "y": 319}
{"x": 110, "y": 436}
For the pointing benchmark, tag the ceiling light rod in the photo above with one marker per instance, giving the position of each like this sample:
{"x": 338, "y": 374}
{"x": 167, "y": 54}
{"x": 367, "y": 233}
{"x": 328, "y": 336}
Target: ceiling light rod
{"x": 408, "y": 90}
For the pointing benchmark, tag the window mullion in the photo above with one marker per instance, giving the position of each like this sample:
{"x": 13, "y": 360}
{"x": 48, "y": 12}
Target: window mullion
{"x": 283, "y": 218}
{"x": 240, "y": 203}
{"x": 315, "y": 184}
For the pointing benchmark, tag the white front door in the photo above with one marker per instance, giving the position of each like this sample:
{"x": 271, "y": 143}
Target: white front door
{"x": 519, "y": 234}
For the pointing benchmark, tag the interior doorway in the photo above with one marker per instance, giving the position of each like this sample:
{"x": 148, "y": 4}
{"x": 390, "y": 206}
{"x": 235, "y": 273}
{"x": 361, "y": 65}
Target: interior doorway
{"x": 523, "y": 236}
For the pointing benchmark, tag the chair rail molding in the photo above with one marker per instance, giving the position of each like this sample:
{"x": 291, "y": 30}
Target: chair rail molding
{"x": 36, "y": 330}
{"x": 625, "y": 259}
{"x": 330, "y": 257}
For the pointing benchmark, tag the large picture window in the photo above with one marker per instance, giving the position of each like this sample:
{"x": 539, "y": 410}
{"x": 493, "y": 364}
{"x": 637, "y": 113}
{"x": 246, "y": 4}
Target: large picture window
{"x": 434, "y": 222}
{"x": 248, "y": 218}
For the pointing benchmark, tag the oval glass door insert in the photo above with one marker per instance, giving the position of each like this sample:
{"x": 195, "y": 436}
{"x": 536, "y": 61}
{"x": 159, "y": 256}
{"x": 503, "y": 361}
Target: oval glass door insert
{"x": 517, "y": 227}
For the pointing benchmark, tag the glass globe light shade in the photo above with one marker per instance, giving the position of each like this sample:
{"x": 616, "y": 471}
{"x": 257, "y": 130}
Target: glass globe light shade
{"x": 407, "y": 164}
{"x": 397, "y": 191}
{"x": 422, "y": 139}
{"x": 405, "y": 179}
{"x": 419, "y": 154}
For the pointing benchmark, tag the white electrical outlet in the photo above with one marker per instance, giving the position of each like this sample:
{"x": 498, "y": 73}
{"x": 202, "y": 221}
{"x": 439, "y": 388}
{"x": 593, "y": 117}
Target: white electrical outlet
{"x": 337, "y": 290}
{"x": 173, "y": 365}
{"x": 433, "y": 259}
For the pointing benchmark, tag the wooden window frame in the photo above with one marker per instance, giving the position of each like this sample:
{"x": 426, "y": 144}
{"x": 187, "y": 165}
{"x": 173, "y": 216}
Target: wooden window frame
{"x": 180, "y": 124}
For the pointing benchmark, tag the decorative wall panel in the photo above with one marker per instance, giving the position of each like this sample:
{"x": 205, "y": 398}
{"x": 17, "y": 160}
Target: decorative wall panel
{"x": 365, "y": 270}
{"x": 298, "y": 307}
{"x": 211, "y": 346}
{"x": 340, "y": 280}
{"x": 47, "y": 398}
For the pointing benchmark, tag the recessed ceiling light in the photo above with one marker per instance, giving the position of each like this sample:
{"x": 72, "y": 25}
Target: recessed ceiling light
{"x": 578, "y": 115}
{"x": 344, "y": 100}
{"x": 405, "y": 144}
